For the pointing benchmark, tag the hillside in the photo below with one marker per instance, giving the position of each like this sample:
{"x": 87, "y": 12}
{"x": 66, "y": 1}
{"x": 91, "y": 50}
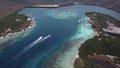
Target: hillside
{"x": 10, "y": 6}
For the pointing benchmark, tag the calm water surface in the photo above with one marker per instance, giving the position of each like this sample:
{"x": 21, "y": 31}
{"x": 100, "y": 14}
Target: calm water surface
{"x": 62, "y": 23}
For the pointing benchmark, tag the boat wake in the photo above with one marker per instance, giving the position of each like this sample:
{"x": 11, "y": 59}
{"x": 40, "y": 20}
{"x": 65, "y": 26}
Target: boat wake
{"x": 40, "y": 39}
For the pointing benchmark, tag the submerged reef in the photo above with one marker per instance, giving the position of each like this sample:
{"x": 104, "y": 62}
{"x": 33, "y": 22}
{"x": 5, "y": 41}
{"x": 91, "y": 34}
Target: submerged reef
{"x": 60, "y": 14}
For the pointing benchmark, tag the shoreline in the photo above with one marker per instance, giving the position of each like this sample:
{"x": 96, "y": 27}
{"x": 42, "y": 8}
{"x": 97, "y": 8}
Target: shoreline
{"x": 15, "y": 35}
{"x": 85, "y": 39}
{"x": 9, "y": 34}
{"x": 76, "y": 54}
{"x": 99, "y": 33}
{"x": 67, "y": 59}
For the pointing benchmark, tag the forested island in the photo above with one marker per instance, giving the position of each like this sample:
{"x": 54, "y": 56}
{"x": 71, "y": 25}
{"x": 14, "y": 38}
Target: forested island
{"x": 102, "y": 51}
{"x": 14, "y": 23}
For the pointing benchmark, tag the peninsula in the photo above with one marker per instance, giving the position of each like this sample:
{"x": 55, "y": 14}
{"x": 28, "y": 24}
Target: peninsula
{"x": 102, "y": 51}
{"x": 14, "y": 23}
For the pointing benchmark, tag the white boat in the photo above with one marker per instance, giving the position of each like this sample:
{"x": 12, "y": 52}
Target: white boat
{"x": 40, "y": 39}
{"x": 46, "y": 37}
{"x": 79, "y": 20}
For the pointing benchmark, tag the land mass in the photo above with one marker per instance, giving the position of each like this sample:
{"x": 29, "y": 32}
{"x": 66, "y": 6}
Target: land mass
{"x": 103, "y": 48}
{"x": 14, "y": 23}
{"x": 102, "y": 51}
{"x": 15, "y": 5}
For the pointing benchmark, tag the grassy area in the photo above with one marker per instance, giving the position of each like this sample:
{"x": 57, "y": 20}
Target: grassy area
{"x": 107, "y": 45}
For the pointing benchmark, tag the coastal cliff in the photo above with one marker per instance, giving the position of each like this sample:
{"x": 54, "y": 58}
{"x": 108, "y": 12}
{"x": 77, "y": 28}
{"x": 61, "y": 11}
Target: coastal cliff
{"x": 102, "y": 51}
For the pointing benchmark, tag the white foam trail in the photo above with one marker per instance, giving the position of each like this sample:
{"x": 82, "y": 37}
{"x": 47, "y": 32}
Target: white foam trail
{"x": 40, "y": 39}
{"x": 46, "y": 37}
{"x": 33, "y": 43}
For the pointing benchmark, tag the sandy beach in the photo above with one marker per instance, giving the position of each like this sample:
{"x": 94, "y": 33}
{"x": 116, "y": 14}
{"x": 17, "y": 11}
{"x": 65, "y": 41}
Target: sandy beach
{"x": 83, "y": 33}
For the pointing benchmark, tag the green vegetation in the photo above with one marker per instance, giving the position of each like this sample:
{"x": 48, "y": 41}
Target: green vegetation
{"x": 79, "y": 63}
{"x": 13, "y": 22}
{"x": 102, "y": 44}
{"x": 100, "y": 20}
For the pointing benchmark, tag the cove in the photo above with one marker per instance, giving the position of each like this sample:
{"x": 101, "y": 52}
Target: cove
{"x": 59, "y": 50}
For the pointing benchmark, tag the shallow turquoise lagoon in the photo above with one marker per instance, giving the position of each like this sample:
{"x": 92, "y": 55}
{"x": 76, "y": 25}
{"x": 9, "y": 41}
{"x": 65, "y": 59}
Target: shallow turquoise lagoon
{"x": 60, "y": 49}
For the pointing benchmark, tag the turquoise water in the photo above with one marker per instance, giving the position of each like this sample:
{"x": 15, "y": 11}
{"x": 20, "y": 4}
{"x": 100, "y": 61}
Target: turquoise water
{"x": 59, "y": 50}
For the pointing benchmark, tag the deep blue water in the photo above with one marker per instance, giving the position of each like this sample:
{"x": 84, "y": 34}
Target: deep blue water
{"x": 60, "y": 29}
